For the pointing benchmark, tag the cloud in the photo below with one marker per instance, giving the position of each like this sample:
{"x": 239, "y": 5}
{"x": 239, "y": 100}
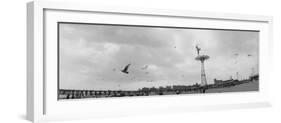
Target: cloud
{"x": 91, "y": 56}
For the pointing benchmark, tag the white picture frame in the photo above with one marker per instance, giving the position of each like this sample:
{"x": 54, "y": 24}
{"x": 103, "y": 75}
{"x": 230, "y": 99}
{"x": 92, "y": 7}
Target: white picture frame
{"x": 43, "y": 105}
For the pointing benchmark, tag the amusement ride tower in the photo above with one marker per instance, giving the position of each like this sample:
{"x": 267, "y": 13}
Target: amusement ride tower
{"x": 202, "y": 58}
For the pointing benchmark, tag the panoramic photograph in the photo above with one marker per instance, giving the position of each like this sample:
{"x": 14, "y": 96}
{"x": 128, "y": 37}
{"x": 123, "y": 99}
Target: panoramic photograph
{"x": 107, "y": 60}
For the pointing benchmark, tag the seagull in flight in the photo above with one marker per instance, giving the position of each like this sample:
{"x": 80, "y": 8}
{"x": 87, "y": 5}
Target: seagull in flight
{"x": 125, "y": 70}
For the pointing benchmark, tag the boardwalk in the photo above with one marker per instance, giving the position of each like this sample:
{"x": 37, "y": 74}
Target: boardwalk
{"x": 232, "y": 86}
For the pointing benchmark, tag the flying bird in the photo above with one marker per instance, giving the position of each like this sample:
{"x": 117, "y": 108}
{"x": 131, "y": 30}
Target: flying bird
{"x": 250, "y": 55}
{"x": 236, "y": 54}
{"x": 125, "y": 70}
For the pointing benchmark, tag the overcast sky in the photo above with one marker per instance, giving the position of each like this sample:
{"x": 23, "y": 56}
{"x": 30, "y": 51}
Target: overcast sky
{"x": 92, "y": 56}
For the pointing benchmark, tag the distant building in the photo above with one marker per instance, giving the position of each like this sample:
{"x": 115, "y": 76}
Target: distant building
{"x": 222, "y": 81}
{"x": 254, "y": 77}
{"x": 179, "y": 87}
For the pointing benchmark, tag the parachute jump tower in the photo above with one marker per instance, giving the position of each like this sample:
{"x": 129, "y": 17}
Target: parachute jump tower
{"x": 202, "y": 59}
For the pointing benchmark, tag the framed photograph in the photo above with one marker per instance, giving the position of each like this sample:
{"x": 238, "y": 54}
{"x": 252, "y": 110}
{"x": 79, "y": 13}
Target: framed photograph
{"x": 92, "y": 61}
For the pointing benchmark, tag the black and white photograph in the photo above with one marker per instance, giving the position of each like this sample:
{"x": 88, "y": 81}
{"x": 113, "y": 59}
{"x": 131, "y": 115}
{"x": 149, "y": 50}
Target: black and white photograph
{"x": 111, "y": 60}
